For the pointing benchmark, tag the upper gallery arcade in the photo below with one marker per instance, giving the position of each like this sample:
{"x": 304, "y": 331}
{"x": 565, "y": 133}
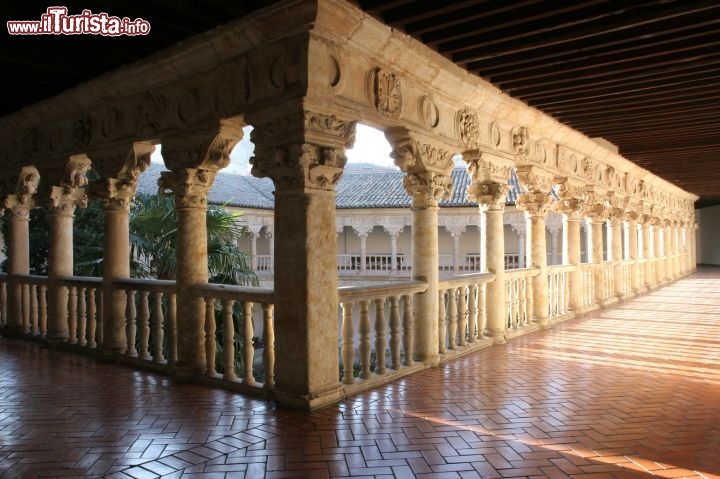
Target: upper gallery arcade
{"x": 302, "y": 74}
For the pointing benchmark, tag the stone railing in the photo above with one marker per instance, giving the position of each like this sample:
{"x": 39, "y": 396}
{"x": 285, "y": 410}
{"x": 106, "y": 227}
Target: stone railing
{"x": 32, "y": 291}
{"x": 462, "y": 314}
{"x": 641, "y": 272}
{"x": 587, "y": 281}
{"x": 239, "y": 337}
{"x": 559, "y": 290}
{"x": 264, "y": 262}
{"x": 519, "y": 292}
{"x": 376, "y": 332}
{"x": 626, "y": 277}
{"x": 606, "y": 288}
{"x": 3, "y": 300}
{"x": 151, "y": 320}
{"x": 84, "y": 310}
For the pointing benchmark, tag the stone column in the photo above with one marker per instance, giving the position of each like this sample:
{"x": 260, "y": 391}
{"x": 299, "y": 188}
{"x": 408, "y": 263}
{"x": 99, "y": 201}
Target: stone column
{"x": 394, "y": 231}
{"x": 675, "y": 250}
{"x": 488, "y": 187}
{"x": 119, "y": 170}
{"x": 18, "y": 206}
{"x": 428, "y": 165}
{"x": 615, "y": 250}
{"x": 456, "y": 230}
{"x": 362, "y": 229}
{"x": 647, "y": 251}
{"x": 554, "y": 223}
{"x": 304, "y": 154}
{"x": 571, "y": 203}
{"x": 536, "y": 200}
{"x": 633, "y": 252}
{"x": 270, "y": 235}
{"x": 64, "y": 198}
{"x": 254, "y": 235}
{"x": 194, "y": 159}
{"x": 659, "y": 252}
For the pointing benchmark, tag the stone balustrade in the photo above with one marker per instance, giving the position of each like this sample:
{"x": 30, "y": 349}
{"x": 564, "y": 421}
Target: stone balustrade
{"x": 559, "y": 291}
{"x": 519, "y": 302}
{"x": 462, "y": 313}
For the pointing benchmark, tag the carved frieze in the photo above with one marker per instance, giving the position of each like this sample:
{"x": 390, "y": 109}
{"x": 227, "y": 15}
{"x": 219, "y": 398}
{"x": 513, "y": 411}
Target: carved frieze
{"x": 521, "y": 144}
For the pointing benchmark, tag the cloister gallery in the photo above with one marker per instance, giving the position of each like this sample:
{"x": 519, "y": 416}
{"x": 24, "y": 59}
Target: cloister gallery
{"x": 303, "y": 77}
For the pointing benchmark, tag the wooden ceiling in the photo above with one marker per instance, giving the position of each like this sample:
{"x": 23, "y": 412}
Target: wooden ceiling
{"x": 644, "y": 75}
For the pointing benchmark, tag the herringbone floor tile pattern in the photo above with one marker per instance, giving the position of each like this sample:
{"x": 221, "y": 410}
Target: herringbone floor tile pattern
{"x": 629, "y": 392}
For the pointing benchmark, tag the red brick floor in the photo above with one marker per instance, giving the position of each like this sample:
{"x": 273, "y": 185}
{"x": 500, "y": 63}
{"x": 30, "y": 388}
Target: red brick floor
{"x": 632, "y": 391}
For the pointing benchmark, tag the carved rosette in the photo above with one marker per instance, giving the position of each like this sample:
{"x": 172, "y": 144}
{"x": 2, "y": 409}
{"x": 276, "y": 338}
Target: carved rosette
{"x": 206, "y": 149}
{"x": 120, "y": 170}
{"x": 71, "y": 192}
{"x": 189, "y": 186}
{"x": 21, "y": 202}
{"x": 427, "y": 189}
{"x": 387, "y": 93}
{"x": 488, "y": 177}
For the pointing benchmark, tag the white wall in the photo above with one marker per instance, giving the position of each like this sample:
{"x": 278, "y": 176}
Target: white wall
{"x": 708, "y": 237}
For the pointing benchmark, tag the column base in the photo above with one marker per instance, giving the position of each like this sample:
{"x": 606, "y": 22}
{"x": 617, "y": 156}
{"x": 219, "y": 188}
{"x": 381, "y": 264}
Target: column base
{"x": 498, "y": 337}
{"x": 310, "y": 401}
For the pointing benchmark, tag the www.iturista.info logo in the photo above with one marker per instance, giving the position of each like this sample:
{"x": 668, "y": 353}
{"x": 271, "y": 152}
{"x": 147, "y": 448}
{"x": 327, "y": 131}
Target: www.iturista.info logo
{"x": 56, "y": 21}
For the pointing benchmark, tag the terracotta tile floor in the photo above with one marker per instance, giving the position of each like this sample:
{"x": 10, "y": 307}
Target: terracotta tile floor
{"x": 629, "y": 392}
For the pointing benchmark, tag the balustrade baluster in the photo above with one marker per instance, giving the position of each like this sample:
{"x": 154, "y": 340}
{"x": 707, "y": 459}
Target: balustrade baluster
{"x": 210, "y": 331}
{"x": 130, "y": 325}
{"x": 452, "y": 318}
{"x": 82, "y": 317}
{"x": 442, "y": 322}
{"x": 462, "y": 316}
{"x": 268, "y": 345}
{"x": 380, "y": 338}
{"x": 72, "y": 315}
{"x": 248, "y": 333}
{"x": 25, "y": 291}
{"x": 172, "y": 329}
{"x": 99, "y": 316}
{"x": 408, "y": 330}
{"x": 42, "y": 308}
{"x": 472, "y": 313}
{"x": 364, "y": 330}
{"x": 523, "y": 302}
{"x": 229, "y": 340}
{"x": 91, "y": 320}
{"x": 157, "y": 325}
{"x": 482, "y": 310}
{"x": 144, "y": 326}
{"x": 509, "y": 302}
{"x": 348, "y": 348}
{"x": 395, "y": 333}
{"x": 34, "y": 309}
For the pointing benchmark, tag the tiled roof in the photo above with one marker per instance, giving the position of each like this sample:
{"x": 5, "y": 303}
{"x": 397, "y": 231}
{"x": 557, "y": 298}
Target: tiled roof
{"x": 358, "y": 188}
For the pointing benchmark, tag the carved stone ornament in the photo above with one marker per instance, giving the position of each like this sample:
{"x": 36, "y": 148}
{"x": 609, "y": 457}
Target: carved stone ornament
{"x": 468, "y": 128}
{"x": 488, "y": 193}
{"x": 535, "y": 202}
{"x": 206, "y": 149}
{"x": 71, "y": 192}
{"x": 120, "y": 170}
{"x": 488, "y": 177}
{"x": 329, "y": 130}
{"x": 427, "y": 189}
{"x": 415, "y": 153}
{"x": 596, "y": 204}
{"x": 150, "y": 109}
{"x": 387, "y": 93}
{"x": 521, "y": 144}
{"x": 570, "y": 196}
{"x": 301, "y": 165}
{"x": 534, "y": 179}
{"x": 189, "y": 186}
{"x": 82, "y": 131}
{"x": 22, "y": 201}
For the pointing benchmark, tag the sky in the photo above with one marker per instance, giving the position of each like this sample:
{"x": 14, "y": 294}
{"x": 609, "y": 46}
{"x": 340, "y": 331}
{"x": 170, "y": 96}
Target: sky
{"x": 370, "y": 147}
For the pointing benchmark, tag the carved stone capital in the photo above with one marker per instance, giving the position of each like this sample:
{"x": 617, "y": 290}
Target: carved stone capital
{"x": 536, "y": 185}
{"x": 596, "y": 204}
{"x": 71, "y": 192}
{"x": 488, "y": 177}
{"x": 120, "y": 169}
{"x": 415, "y": 152}
{"x": 570, "y": 195}
{"x": 21, "y": 201}
{"x": 204, "y": 149}
{"x": 427, "y": 189}
{"x": 189, "y": 186}
{"x": 302, "y": 165}
{"x": 302, "y": 150}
